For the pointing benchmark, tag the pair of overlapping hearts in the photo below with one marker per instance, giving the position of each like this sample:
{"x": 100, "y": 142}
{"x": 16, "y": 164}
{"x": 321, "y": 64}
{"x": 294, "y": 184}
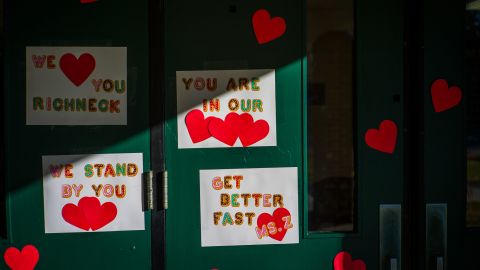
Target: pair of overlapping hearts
{"x": 444, "y": 98}
{"x": 89, "y": 214}
{"x": 235, "y": 126}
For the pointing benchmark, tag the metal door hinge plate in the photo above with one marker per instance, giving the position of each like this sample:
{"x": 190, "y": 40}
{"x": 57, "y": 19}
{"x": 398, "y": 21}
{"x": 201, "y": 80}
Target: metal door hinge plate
{"x": 155, "y": 190}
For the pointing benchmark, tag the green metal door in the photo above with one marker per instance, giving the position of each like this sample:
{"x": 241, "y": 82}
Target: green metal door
{"x": 449, "y": 180}
{"x": 217, "y": 36}
{"x": 64, "y": 24}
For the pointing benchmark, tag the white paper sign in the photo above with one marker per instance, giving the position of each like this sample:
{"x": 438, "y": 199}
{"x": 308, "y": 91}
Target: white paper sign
{"x": 249, "y": 206}
{"x": 99, "y": 193}
{"x": 76, "y": 85}
{"x": 226, "y": 108}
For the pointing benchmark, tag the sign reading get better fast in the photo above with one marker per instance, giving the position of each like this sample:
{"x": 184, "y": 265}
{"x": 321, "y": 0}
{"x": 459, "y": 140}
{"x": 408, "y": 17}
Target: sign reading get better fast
{"x": 249, "y": 206}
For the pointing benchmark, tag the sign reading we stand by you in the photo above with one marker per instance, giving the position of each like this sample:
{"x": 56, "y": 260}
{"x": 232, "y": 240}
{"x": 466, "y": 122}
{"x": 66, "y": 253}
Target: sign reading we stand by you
{"x": 76, "y": 85}
{"x": 226, "y": 108}
{"x": 93, "y": 193}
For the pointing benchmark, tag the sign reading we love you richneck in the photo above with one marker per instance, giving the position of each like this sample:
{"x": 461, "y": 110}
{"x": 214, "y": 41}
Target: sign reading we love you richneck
{"x": 76, "y": 85}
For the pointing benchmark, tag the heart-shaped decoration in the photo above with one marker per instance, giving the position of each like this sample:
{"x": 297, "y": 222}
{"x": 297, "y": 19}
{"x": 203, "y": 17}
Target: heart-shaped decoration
{"x": 77, "y": 70}
{"x": 27, "y": 259}
{"x": 444, "y": 97}
{"x": 225, "y": 131}
{"x": 384, "y": 139}
{"x": 98, "y": 215}
{"x": 278, "y": 219}
{"x": 267, "y": 29}
{"x": 343, "y": 261}
{"x": 89, "y": 214}
{"x": 197, "y": 126}
{"x": 75, "y": 216}
{"x": 253, "y": 132}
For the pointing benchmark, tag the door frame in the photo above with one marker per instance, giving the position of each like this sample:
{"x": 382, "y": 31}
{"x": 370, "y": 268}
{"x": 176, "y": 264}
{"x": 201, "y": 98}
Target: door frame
{"x": 157, "y": 120}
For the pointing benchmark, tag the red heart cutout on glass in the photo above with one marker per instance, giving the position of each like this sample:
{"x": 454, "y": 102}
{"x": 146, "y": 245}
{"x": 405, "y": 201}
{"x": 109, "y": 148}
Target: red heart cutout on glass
{"x": 343, "y": 261}
{"x": 225, "y": 131}
{"x": 252, "y": 132}
{"x": 197, "y": 126}
{"x": 275, "y": 224}
{"x": 267, "y": 29}
{"x": 77, "y": 70}
{"x": 27, "y": 259}
{"x": 89, "y": 214}
{"x": 444, "y": 97}
{"x": 384, "y": 139}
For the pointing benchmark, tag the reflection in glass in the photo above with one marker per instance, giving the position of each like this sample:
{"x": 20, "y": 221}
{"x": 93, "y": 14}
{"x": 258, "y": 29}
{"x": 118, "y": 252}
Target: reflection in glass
{"x": 473, "y": 113}
{"x": 330, "y": 28}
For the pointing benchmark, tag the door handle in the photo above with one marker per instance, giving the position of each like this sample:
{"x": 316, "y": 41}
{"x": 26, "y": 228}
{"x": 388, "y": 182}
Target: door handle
{"x": 436, "y": 236}
{"x": 439, "y": 263}
{"x": 390, "y": 236}
{"x": 393, "y": 264}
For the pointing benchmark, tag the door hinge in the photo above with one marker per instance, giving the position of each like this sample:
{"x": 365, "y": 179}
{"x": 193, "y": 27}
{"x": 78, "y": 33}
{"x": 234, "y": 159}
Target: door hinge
{"x": 155, "y": 190}
{"x": 163, "y": 189}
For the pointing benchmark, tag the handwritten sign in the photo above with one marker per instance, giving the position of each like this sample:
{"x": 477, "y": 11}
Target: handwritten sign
{"x": 85, "y": 193}
{"x": 249, "y": 206}
{"x": 226, "y": 108}
{"x": 76, "y": 85}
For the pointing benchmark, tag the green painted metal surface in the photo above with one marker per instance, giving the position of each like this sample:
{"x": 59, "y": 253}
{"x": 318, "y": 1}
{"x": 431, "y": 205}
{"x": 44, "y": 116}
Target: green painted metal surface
{"x": 445, "y": 132}
{"x": 70, "y": 23}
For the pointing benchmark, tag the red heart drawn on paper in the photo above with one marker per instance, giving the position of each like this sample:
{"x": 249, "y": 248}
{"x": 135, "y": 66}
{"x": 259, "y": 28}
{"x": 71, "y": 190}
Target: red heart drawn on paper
{"x": 343, "y": 261}
{"x": 197, "y": 126}
{"x": 98, "y": 215}
{"x": 277, "y": 224}
{"x": 75, "y": 216}
{"x": 225, "y": 131}
{"x": 253, "y": 132}
{"x": 267, "y": 29}
{"x": 27, "y": 259}
{"x": 245, "y": 121}
{"x": 77, "y": 70}
{"x": 89, "y": 214}
{"x": 444, "y": 97}
{"x": 384, "y": 139}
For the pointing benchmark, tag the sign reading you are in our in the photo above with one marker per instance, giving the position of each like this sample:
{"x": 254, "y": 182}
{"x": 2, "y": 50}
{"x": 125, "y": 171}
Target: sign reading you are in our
{"x": 226, "y": 108}
{"x": 76, "y": 85}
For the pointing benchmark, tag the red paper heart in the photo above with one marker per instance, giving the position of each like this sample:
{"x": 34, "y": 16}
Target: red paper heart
{"x": 197, "y": 126}
{"x": 279, "y": 222}
{"x": 443, "y": 97}
{"x": 384, "y": 139}
{"x": 253, "y": 132}
{"x": 77, "y": 71}
{"x": 75, "y": 216}
{"x": 25, "y": 260}
{"x": 98, "y": 215}
{"x": 89, "y": 214}
{"x": 343, "y": 261}
{"x": 267, "y": 29}
{"x": 225, "y": 131}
